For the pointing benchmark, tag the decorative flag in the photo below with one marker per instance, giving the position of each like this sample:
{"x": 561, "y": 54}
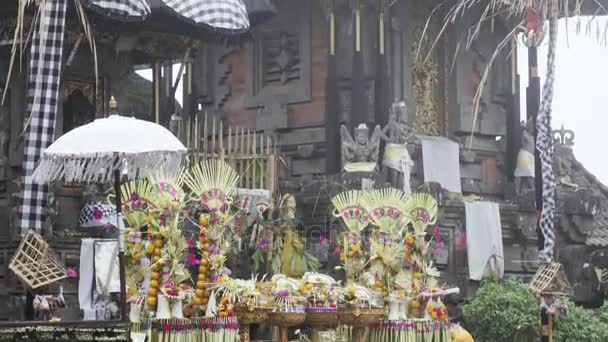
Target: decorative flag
{"x": 42, "y": 102}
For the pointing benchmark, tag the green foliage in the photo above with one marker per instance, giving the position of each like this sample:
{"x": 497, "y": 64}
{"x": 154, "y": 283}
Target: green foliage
{"x": 503, "y": 312}
{"x": 582, "y": 325}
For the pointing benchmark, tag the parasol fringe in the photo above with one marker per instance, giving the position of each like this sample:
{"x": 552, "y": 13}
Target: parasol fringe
{"x": 100, "y": 168}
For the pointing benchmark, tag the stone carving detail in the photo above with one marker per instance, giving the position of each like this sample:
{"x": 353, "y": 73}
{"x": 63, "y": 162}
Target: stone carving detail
{"x": 361, "y": 153}
{"x": 397, "y": 133}
{"x": 223, "y": 70}
{"x": 564, "y": 137}
{"x": 280, "y": 57}
{"x": 425, "y": 80}
{"x": 564, "y": 140}
{"x": 525, "y": 170}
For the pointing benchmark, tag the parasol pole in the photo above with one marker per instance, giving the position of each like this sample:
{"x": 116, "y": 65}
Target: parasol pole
{"x": 121, "y": 249}
{"x": 119, "y": 224}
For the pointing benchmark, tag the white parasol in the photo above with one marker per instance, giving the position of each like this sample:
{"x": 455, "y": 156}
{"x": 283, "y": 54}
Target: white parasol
{"x": 114, "y": 146}
{"x": 93, "y": 152}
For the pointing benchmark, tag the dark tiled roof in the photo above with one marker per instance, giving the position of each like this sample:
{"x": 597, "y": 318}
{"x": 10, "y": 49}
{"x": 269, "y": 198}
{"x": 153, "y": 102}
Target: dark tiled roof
{"x": 598, "y": 237}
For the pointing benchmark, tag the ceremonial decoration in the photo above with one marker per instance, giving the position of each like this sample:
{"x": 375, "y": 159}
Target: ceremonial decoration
{"x": 212, "y": 183}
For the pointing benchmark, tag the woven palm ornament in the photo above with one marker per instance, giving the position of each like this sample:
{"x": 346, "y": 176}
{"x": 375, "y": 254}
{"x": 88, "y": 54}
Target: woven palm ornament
{"x": 385, "y": 210}
{"x": 349, "y": 207}
{"x": 422, "y": 211}
{"x": 212, "y": 182}
{"x": 138, "y": 199}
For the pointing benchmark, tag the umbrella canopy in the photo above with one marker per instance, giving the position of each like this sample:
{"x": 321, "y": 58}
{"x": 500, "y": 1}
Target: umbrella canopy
{"x": 129, "y": 10}
{"x": 221, "y": 16}
{"x": 228, "y": 16}
{"x": 91, "y": 153}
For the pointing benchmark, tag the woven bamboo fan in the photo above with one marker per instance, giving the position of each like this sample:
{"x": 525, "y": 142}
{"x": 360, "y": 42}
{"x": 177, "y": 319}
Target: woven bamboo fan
{"x": 385, "y": 209}
{"x": 348, "y": 207}
{"x": 212, "y": 182}
{"x": 550, "y": 279}
{"x": 169, "y": 189}
{"x": 422, "y": 210}
{"x": 35, "y": 263}
{"x": 138, "y": 198}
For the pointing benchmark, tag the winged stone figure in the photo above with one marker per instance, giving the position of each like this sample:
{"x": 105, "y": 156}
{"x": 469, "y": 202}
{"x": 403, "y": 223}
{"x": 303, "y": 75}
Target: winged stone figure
{"x": 361, "y": 152}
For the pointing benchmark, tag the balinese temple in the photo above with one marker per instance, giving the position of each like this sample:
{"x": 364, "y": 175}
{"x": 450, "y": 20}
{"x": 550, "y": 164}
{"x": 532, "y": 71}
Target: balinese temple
{"x": 312, "y": 82}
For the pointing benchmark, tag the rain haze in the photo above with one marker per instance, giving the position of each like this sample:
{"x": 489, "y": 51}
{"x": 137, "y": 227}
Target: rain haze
{"x": 580, "y": 97}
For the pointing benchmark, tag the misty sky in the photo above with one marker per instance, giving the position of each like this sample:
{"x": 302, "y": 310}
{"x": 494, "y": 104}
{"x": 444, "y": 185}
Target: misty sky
{"x": 580, "y": 98}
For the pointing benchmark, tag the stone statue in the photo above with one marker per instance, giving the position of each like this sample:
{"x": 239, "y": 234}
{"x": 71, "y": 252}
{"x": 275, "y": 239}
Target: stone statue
{"x": 525, "y": 169}
{"x": 361, "y": 153}
{"x": 398, "y": 130}
{"x": 563, "y": 156}
{"x": 397, "y": 133}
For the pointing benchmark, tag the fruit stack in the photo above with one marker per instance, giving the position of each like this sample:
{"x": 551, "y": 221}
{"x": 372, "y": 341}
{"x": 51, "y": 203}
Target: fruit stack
{"x": 154, "y": 250}
{"x": 204, "y": 274}
{"x": 226, "y": 309}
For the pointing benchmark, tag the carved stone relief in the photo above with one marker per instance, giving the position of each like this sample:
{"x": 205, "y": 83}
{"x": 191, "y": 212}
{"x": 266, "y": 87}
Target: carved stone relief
{"x": 491, "y": 104}
{"x": 427, "y": 75}
{"x": 280, "y": 57}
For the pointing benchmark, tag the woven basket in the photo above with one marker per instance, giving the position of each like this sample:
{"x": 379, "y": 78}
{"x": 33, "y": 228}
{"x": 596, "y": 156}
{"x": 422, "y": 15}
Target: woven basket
{"x": 361, "y": 317}
{"x": 35, "y": 262}
{"x": 286, "y": 319}
{"x": 246, "y": 315}
{"x": 322, "y": 319}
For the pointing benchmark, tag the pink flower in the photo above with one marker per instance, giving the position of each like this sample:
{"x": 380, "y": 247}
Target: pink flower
{"x": 322, "y": 239}
{"x": 337, "y": 251}
{"x": 192, "y": 259}
{"x": 437, "y": 233}
{"x": 191, "y": 244}
{"x": 283, "y": 293}
{"x": 72, "y": 272}
{"x": 463, "y": 239}
{"x": 262, "y": 244}
{"x": 98, "y": 214}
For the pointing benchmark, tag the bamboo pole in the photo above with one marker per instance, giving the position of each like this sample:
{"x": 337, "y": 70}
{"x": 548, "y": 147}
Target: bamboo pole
{"x": 221, "y": 140}
{"x": 254, "y": 161}
{"x": 205, "y": 131}
{"x": 213, "y": 144}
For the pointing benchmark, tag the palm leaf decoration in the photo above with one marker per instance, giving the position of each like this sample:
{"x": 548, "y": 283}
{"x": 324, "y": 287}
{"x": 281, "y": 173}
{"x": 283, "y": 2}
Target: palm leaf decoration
{"x": 422, "y": 211}
{"x": 138, "y": 199}
{"x": 212, "y": 182}
{"x": 348, "y": 207}
{"x": 385, "y": 210}
{"x": 169, "y": 188}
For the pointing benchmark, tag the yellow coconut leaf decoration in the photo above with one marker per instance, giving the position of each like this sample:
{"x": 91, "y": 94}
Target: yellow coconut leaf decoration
{"x": 385, "y": 208}
{"x": 422, "y": 211}
{"x": 212, "y": 182}
{"x": 348, "y": 207}
{"x": 169, "y": 188}
{"x": 138, "y": 199}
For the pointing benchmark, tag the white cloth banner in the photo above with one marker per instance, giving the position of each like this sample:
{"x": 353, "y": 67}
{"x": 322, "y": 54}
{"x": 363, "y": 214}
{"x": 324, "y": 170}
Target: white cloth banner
{"x": 441, "y": 162}
{"x": 107, "y": 272}
{"x": 86, "y": 278}
{"x": 484, "y": 239}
